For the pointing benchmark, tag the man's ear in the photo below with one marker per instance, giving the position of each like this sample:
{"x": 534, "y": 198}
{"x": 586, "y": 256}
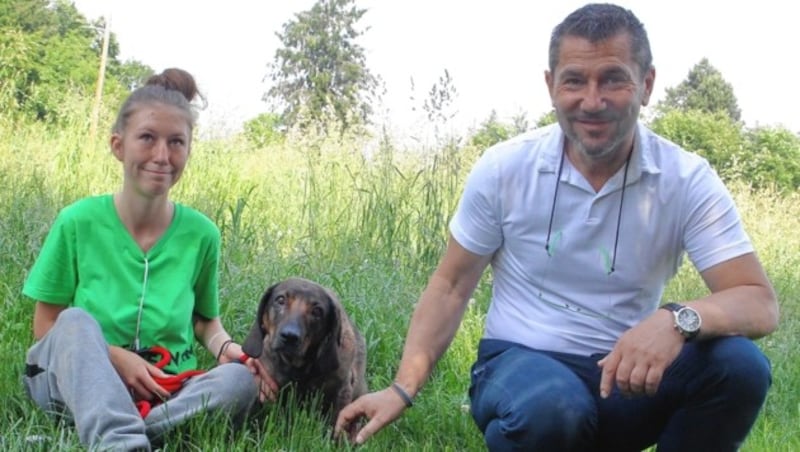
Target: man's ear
{"x": 649, "y": 82}
{"x": 550, "y": 81}
{"x": 116, "y": 146}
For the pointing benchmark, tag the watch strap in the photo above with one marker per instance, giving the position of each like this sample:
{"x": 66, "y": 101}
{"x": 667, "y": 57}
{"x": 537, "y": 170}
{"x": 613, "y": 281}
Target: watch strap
{"x": 674, "y": 308}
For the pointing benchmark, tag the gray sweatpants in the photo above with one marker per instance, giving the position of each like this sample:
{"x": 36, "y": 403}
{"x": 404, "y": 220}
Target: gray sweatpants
{"x": 69, "y": 374}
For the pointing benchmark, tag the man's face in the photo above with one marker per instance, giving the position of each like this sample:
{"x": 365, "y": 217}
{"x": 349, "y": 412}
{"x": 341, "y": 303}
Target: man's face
{"x": 597, "y": 90}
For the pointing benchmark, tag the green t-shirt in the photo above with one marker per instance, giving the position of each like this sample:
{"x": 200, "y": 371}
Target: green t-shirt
{"x": 89, "y": 260}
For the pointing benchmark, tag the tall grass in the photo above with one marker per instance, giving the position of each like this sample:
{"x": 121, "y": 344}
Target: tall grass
{"x": 372, "y": 228}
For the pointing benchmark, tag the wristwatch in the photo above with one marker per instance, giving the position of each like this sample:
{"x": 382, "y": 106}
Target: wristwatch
{"x": 687, "y": 320}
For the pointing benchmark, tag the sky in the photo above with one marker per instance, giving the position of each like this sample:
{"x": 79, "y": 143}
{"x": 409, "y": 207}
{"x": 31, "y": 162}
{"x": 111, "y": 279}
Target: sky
{"x": 494, "y": 50}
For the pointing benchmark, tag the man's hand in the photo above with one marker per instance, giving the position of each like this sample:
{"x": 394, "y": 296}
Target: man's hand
{"x": 138, "y": 374}
{"x": 640, "y": 356}
{"x": 381, "y": 408}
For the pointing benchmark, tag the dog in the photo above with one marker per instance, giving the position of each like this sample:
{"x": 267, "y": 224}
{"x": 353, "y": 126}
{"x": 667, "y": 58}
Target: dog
{"x": 304, "y": 338}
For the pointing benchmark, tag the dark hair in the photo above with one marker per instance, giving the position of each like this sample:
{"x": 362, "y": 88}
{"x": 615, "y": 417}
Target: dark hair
{"x": 600, "y": 21}
{"x": 174, "y": 87}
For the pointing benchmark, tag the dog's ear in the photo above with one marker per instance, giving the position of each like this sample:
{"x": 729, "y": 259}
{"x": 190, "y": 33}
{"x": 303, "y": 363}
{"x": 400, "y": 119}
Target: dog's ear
{"x": 254, "y": 343}
{"x": 335, "y": 318}
{"x": 328, "y": 353}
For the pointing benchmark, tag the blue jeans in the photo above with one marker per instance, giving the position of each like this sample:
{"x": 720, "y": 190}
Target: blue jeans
{"x": 708, "y": 399}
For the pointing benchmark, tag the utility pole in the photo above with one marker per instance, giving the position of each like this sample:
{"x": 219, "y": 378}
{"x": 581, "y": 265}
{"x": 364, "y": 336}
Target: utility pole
{"x": 101, "y": 74}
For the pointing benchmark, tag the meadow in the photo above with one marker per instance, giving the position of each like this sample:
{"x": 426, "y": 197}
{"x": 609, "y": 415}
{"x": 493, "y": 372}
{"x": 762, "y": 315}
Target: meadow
{"x": 369, "y": 225}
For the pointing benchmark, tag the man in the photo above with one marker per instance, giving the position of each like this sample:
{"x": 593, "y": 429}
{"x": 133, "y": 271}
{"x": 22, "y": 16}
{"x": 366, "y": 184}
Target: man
{"x": 584, "y": 222}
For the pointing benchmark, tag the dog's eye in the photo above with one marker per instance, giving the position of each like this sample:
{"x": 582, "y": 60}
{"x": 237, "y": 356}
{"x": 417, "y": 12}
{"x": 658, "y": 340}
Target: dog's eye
{"x": 280, "y": 300}
{"x": 317, "y": 312}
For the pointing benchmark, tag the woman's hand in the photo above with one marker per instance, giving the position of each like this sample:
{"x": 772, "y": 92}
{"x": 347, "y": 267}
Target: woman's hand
{"x": 219, "y": 343}
{"x": 267, "y": 386}
{"x": 138, "y": 374}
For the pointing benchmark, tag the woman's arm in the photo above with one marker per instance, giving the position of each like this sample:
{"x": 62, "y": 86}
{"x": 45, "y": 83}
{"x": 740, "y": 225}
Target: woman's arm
{"x": 218, "y": 342}
{"x": 44, "y": 316}
{"x": 213, "y": 336}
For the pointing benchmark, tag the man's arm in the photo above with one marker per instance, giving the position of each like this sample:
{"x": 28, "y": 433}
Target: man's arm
{"x": 434, "y": 323}
{"x": 742, "y": 302}
{"x": 438, "y": 314}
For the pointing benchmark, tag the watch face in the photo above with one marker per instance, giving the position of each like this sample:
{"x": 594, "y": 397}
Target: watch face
{"x": 688, "y": 320}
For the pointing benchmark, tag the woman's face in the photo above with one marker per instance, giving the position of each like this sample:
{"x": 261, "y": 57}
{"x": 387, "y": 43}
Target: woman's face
{"x": 153, "y": 148}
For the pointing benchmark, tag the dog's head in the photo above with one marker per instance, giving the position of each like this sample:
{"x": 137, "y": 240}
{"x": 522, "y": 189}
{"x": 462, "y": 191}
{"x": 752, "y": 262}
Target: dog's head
{"x": 298, "y": 323}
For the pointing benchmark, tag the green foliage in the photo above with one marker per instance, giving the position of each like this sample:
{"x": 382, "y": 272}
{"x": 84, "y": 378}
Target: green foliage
{"x": 49, "y": 54}
{"x": 15, "y": 61}
{"x": 701, "y": 115}
{"x": 264, "y": 130}
{"x": 28, "y": 16}
{"x": 773, "y": 158}
{"x": 131, "y": 74}
{"x": 546, "y": 119}
{"x": 705, "y": 90}
{"x": 519, "y": 123}
{"x": 762, "y": 157}
{"x": 491, "y": 131}
{"x": 370, "y": 228}
{"x": 715, "y": 136}
{"x": 320, "y": 74}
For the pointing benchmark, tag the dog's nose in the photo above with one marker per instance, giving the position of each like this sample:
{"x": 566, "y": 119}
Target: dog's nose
{"x": 290, "y": 335}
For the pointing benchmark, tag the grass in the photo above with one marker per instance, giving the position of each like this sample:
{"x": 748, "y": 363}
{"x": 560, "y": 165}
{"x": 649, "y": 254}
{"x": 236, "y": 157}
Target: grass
{"x": 370, "y": 228}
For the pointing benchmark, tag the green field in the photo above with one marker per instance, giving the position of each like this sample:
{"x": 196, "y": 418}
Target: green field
{"x": 370, "y": 228}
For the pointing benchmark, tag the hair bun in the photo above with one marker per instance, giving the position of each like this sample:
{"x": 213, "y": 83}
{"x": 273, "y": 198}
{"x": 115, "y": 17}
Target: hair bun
{"x": 176, "y": 79}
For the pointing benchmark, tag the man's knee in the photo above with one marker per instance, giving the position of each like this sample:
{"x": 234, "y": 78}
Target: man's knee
{"x": 555, "y": 421}
{"x": 551, "y": 411}
{"x": 744, "y": 368}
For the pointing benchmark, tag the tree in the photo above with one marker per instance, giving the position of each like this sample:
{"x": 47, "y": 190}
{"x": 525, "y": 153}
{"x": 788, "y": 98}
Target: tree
{"x": 131, "y": 73}
{"x": 320, "y": 74}
{"x": 264, "y": 130}
{"x": 705, "y": 90}
{"x": 492, "y": 131}
{"x": 773, "y": 159}
{"x": 546, "y": 119}
{"x": 519, "y": 123}
{"x": 715, "y": 136}
{"x": 49, "y": 54}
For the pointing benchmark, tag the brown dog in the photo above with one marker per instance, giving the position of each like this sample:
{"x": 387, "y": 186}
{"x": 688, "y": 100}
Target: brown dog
{"x": 304, "y": 337}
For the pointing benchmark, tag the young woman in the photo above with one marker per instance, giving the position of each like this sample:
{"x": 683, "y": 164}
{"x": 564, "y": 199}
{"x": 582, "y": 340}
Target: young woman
{"x": 121, "y": 273}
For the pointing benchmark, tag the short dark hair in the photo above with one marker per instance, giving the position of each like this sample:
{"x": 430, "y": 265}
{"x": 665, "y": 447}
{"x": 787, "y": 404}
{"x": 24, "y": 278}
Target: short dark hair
{"x": 600, "y": 21}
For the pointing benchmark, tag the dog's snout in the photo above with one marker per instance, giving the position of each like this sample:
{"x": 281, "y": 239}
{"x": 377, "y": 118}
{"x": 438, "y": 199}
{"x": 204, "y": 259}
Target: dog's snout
{"x": 290, "y": 334}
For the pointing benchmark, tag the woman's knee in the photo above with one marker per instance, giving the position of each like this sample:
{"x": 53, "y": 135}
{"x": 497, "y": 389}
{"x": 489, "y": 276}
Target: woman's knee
{"x": 73, "y": 316}
{"x": 74, "y": 328}
{"x": 76, "y": 322}
{"x": 236, "y": 381}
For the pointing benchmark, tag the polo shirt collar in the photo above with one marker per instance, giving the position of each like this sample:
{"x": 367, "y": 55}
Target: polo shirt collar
{"x": 642, "y": 161}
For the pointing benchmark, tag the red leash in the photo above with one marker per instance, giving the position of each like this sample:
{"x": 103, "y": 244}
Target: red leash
{"x": 172, "y": 383}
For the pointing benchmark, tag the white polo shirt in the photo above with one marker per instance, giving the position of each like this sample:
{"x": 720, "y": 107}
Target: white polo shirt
{"x": 567, "y": 301}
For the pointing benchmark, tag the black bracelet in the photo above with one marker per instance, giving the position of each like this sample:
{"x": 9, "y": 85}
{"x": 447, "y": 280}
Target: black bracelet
{"x": 403, "y": 395}
{"x": 223, "y": 347}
